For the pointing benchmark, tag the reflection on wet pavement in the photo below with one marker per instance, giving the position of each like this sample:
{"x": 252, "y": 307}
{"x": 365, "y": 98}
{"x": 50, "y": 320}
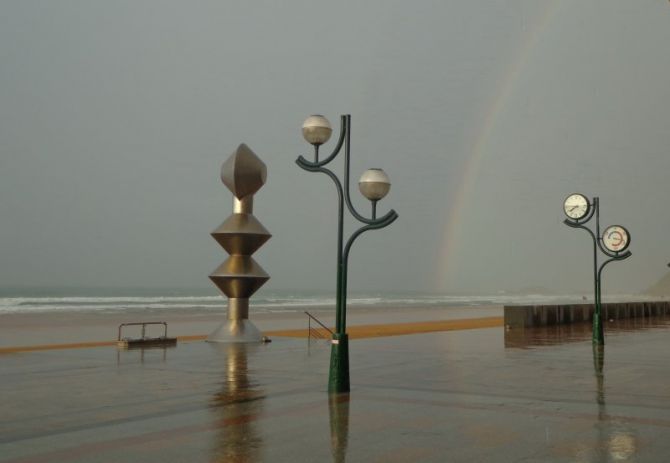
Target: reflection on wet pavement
{"x": 236, "y": 407}
{"x": 559, "y": 334}
{"x": 616, "y": 441}
{"x": 140, "y": 350}
{"x": 544, "y": 395}
{"x": 338, "y": 410}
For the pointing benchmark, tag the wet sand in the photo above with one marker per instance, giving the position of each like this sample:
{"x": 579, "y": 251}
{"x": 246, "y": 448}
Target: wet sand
{"x": 19, "y": 332}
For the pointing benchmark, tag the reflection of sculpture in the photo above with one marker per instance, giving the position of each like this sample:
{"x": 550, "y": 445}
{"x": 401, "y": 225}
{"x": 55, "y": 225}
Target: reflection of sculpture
{"x": 238, "y": 403}
{"x": 240, "y": 235}
{"x": 338, "y": 406}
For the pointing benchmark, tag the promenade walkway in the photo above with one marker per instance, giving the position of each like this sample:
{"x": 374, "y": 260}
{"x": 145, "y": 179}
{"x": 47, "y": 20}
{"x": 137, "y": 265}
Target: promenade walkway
{"x": 456, "y": 396}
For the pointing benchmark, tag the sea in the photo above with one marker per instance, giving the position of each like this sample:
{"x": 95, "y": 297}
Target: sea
{"x": 204, "y": 301}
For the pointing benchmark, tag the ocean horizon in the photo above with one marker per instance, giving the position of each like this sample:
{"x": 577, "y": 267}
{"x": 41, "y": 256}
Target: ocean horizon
{"x": 203, "y": 300}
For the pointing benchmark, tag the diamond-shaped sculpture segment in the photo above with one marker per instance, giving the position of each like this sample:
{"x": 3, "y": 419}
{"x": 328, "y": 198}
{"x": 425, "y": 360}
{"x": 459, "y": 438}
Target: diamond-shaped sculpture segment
{"x": 243, "y": 172}
{"x": 239, "y": 276}
{"x": 241, "y": 234}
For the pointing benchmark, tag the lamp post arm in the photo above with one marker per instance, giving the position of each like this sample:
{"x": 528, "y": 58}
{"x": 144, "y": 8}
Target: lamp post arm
{"x": 347, "y": 197}
{"x": 390, "y": 218}
{"x": 316, "y": 167}
{"x": 572, "y": 224}
{"x": 339, "y": 301}
{"x": 338, "y": 147}
{"x": 600, "y": 270}
{"x": 594, "y": 206}
{"x": 344, "y": 129}
{"x": 596, "y": 282}
{"x": 381, "y": 223}
{"x": 615, "y": 256}
{"x": 344, "y": 139}
{"x": 599, "y": 239}
{"x": 623, "y": 256}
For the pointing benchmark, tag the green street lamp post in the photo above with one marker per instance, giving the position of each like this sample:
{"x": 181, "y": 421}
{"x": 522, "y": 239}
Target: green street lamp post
{"x": 374, "y": 184}
{"x": 613, "y": 242}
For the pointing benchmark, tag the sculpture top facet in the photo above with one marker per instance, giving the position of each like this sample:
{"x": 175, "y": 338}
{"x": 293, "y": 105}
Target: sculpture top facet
{"x": 243, "y": 173}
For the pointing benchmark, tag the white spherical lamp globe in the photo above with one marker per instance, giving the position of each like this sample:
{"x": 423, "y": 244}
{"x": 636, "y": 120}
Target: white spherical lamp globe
{"x": 316, "y": 129}
{"x": 374, "y": 184}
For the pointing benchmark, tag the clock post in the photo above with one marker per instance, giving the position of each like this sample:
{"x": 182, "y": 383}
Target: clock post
{"x": 613, "y": 243}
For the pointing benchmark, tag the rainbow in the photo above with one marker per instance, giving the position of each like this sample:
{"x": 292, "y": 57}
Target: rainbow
{"x": 453, "y": 226}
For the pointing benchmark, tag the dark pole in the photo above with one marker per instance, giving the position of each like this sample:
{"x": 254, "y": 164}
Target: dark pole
{"x": 338, "y": 379}
{"x": 598, "y": 334}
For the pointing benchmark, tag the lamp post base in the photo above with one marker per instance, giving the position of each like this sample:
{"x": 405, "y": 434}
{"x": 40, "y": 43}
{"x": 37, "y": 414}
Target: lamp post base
{"x": 338, "y": 380}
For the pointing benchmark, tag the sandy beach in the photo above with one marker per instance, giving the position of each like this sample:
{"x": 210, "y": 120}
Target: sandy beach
{"x": 20, "y": 330}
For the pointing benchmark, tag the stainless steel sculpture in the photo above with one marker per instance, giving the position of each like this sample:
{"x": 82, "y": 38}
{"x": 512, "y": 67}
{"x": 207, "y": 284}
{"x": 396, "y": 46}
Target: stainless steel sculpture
{"x": 240, "y": 235}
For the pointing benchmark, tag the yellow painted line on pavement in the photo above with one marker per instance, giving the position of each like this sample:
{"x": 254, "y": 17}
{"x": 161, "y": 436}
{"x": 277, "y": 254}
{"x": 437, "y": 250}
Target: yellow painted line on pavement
{"x": 355, "y": 332}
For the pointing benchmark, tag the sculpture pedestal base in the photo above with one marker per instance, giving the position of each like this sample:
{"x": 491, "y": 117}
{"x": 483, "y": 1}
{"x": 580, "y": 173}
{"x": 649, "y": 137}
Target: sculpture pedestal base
{"x": 241, "y": 330}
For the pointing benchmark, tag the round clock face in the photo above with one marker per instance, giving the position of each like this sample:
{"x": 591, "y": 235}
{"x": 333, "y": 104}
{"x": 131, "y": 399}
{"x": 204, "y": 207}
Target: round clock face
{"x": 576, "y": 206}
{"x": 616, "y": 238}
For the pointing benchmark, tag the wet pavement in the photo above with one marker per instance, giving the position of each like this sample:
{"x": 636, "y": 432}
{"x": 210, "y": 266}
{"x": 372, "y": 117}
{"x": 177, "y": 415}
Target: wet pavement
{"x": 452, "y": 396}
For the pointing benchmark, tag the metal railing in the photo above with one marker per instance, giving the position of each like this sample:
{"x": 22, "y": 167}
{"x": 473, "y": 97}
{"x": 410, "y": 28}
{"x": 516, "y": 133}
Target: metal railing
{"x": 317, "y": 333}
{"x": 144, "y": 328}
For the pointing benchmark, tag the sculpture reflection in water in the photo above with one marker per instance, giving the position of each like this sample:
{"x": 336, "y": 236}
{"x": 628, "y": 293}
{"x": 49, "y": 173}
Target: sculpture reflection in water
{"x": 338, "y": 408}
{"x": 237, "y": 405}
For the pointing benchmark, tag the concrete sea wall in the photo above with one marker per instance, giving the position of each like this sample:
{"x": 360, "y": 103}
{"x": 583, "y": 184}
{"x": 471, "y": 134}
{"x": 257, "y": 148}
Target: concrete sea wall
{"x": 521, "y": 316}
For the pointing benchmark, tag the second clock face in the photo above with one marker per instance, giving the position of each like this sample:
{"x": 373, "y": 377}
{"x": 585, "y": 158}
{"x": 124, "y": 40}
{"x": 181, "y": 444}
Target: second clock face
{"x": 576, "y": 206}
{"x": 616, "y": 238}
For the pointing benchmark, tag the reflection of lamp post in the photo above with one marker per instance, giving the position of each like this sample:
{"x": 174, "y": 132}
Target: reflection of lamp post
{"x": 374, "y": 184}
{"x": 338, "y": 410}
{"x": 599, "y": 366}
{"x": 616, "y": 442}
{"x": 613, "y": 243}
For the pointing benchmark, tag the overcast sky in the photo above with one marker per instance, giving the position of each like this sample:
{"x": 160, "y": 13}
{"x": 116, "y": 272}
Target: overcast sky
{"x": 115, "y": 118}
